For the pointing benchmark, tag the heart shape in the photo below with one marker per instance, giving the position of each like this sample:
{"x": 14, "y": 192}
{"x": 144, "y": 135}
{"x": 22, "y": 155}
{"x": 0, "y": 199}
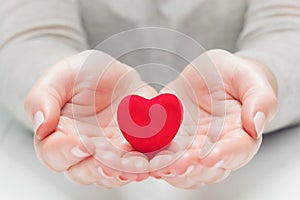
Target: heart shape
{"x": 149, "y": 124}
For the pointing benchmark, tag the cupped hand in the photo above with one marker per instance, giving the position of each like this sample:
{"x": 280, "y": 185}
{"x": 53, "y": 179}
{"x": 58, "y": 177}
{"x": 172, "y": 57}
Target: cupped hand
{"x": 72, "y": 106}
{"x": 228, "y": 101}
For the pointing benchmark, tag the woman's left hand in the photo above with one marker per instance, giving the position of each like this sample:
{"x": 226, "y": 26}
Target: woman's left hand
{"x": 228, "y": 101}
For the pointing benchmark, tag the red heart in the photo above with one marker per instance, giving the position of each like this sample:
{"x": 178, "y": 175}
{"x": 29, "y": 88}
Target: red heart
{"x": 149, "y": 124}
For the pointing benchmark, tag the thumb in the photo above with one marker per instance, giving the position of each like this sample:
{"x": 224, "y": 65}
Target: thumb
{"x": 259, "y": 102}
{"x": 45, "y": 100}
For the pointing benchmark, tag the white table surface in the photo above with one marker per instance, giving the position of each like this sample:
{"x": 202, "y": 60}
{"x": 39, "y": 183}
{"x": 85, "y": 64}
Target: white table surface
{"x": 274, "y": 174}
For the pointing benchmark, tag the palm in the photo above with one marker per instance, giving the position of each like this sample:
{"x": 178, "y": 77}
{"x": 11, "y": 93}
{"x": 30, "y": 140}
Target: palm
{"x": 92, "y": 110}
{"x": 88, "y": 117}
{"x": 212, "y": 140}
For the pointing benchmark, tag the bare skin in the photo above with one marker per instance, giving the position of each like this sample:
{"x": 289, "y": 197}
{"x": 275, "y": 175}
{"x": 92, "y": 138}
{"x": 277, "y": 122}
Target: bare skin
{"x": 244, "y": 90}
{"x": 66, "y": 96}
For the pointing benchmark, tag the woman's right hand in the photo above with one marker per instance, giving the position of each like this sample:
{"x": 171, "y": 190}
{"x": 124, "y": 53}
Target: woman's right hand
{"x": 74, "y": 124}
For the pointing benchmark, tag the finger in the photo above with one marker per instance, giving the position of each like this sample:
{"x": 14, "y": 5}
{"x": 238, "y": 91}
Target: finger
{"x": 60, "y": 151}
{"x": 67, "y": 145}
{"x": 47, "y": 97}
{"x": 117, "y": 147}
{"x": 158, "y": 165}
{"x": 185, "y": 180}
{"x": 259, "y": 101}
{"x": 184, "y": 183}
{"x": 60, "y": 83}
{"x": 185, "y": 153}
{"x": 216, "y": 177}
{"x": 161, "y": 162}
{"x": 51, "y": 92}
{"x": 111, "y": 183}
{"x": 232, "y": 151}
{"x": 196, "y": 176}
{"x": 91, "y": 171}
{"x": 135, "y": 166}
{"x": 110, "y": 170}
{"x": 173, "y": 164}
{"x": 185, "y": 161}
{"x": 208, "y": 175}
{"x": 110, "y": 167}
{"x": 259, "y": 107}
{"x": 116, "y": 154}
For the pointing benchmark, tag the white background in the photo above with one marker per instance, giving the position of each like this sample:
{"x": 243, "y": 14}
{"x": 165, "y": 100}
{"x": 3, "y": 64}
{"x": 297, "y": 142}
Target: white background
{"x": 274, "y": 174}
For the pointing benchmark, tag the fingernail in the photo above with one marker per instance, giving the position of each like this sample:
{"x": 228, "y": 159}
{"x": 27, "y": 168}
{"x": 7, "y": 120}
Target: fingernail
{"x": 259, "y": 123}
{"x": 218, "y": 164}
{"x": 38, "y": 120}
{"x": 169, "y": 175}
{"x": 120, "y": 179}
{"x": 189, "y": 170}
{"x": 78, "y": 152}
{"x": 102, "y": 173}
